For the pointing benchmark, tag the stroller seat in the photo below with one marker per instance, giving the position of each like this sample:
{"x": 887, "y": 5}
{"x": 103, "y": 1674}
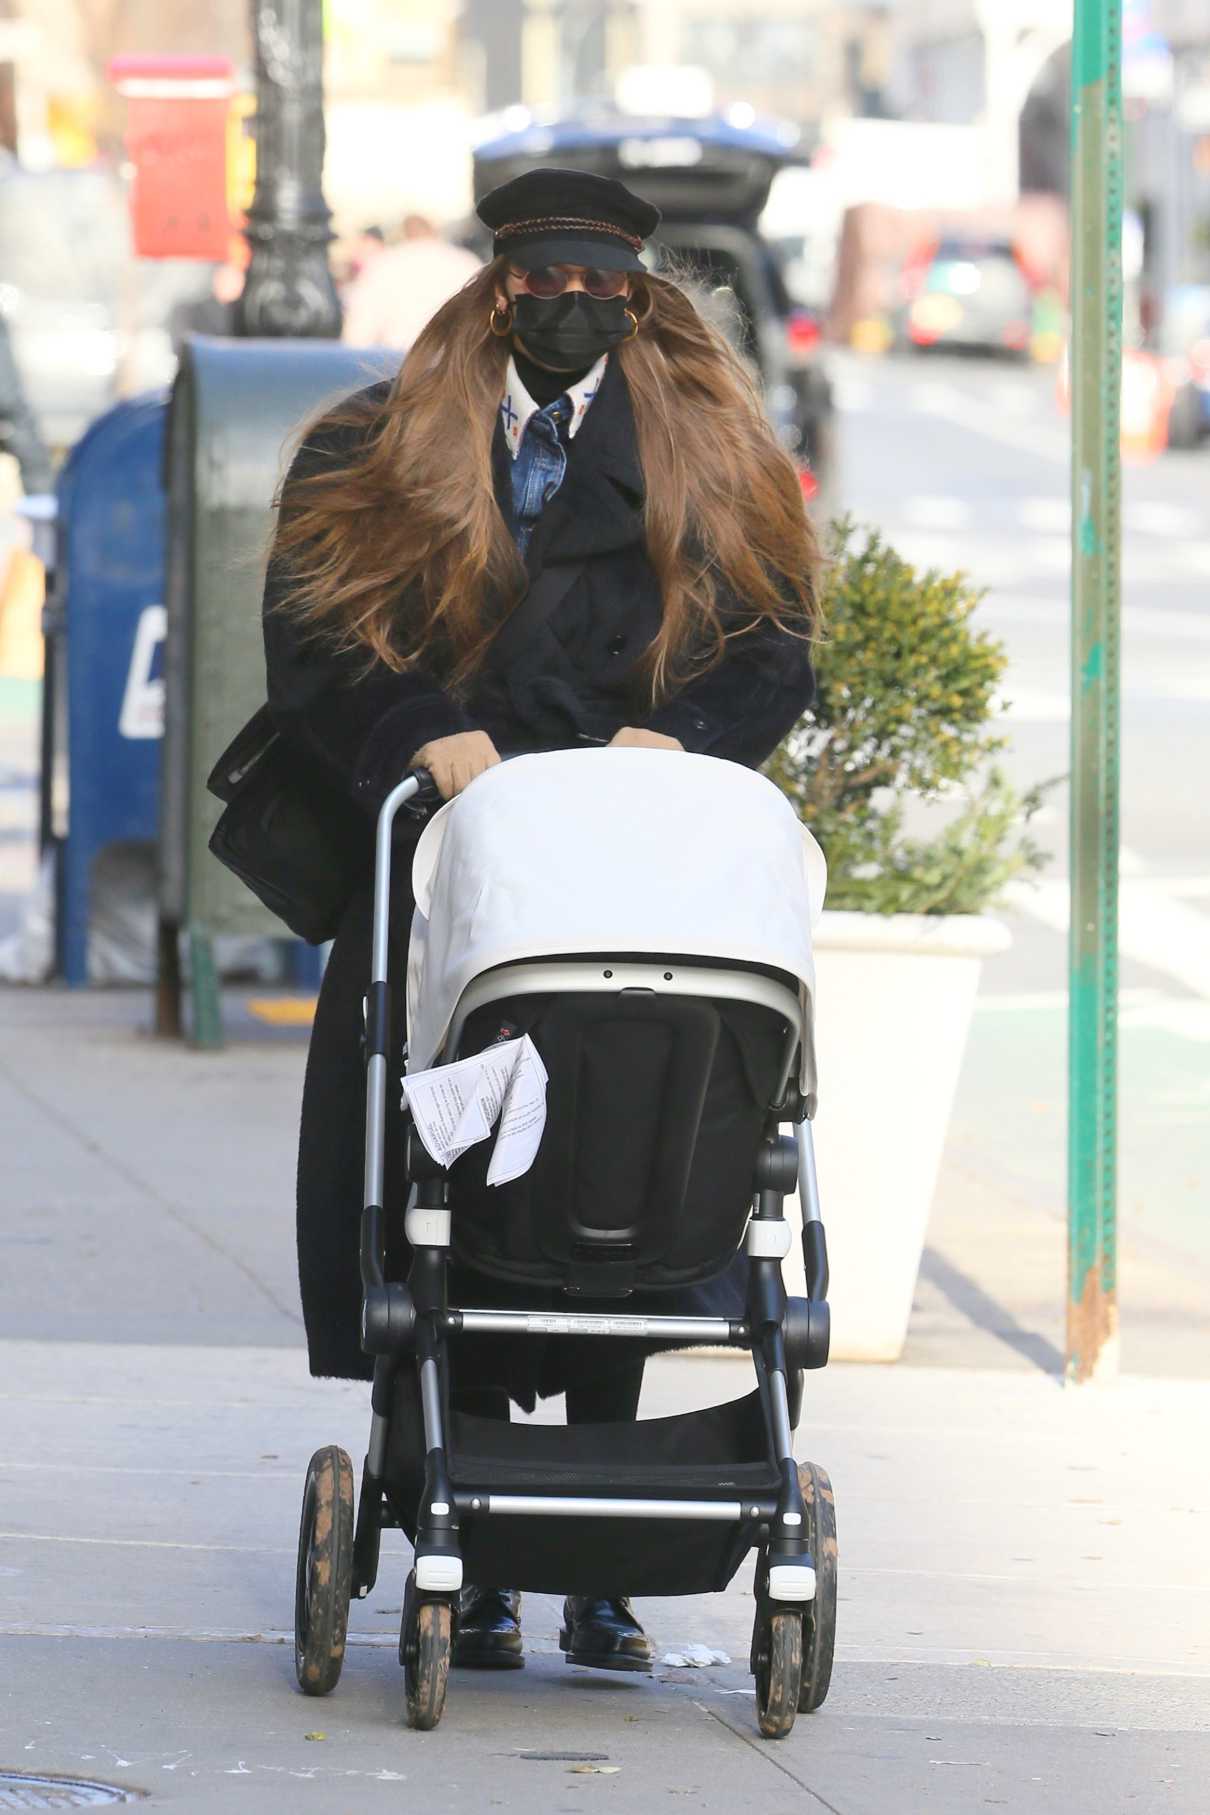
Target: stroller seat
{"x": 656, "y": 1104}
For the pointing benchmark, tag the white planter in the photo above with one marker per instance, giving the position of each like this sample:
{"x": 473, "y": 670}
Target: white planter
{"x": 894, "y": 1002}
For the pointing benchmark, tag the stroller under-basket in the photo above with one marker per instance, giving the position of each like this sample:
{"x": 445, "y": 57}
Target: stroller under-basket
{"x": 646, "y": 921}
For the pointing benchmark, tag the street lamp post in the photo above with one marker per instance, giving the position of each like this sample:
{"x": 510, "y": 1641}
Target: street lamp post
{"x": 289, "y": 290}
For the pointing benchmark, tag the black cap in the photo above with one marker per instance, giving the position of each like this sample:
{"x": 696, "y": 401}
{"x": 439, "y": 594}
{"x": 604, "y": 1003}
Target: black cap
{"x": 568, "y": 217}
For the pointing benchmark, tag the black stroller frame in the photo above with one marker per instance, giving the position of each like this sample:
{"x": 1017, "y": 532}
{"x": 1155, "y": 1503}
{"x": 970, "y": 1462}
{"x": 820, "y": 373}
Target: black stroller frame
{"x": 768, "y": 1502}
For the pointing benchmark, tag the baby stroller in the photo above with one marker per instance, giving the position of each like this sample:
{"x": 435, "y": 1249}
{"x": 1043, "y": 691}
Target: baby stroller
{"x": 645, "y": 920}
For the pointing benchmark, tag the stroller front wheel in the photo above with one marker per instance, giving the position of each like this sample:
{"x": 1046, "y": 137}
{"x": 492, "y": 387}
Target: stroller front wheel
{"x": 425, "y": 1654}
{"x": 777, "y": 1645}
{"x": 324, "y": 1580}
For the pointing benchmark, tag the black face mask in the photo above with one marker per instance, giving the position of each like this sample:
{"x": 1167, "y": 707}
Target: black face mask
{"x": 571, "y": 331}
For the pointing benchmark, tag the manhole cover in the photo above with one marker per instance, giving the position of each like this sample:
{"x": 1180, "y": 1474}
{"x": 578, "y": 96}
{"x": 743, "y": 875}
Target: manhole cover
{"x": 20, "y": 1791}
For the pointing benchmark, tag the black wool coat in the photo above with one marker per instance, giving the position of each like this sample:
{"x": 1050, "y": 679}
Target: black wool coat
{"x": 571, "y": 684}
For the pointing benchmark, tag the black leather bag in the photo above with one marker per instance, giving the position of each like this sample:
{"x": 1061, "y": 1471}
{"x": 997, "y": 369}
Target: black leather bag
{"x": 297, "y": 844}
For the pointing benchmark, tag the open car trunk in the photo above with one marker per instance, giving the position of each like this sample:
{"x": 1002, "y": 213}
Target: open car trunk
{"x": 690, "y": 169}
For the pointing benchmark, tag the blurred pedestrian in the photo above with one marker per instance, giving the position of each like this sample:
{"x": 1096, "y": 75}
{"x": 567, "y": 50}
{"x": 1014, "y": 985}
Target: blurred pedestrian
{"x": 20, "y": 435}
{"x": 397, "y": 294}
{"x": 213, "y": 312}
{"x": 363, "y": 250}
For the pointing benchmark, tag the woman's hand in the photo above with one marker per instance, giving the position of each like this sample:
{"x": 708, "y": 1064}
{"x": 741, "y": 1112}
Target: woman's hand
{"x": 454, "y": 762}
{"x": 630, "y": 737}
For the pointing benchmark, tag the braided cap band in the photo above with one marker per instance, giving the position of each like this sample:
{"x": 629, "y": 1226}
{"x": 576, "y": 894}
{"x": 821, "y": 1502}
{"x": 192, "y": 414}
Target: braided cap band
{"x": 564, "y": 223}
{"x": 568, "y": 217}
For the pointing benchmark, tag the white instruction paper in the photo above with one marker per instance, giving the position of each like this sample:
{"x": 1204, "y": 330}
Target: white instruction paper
{"x": 454, "y": 1106}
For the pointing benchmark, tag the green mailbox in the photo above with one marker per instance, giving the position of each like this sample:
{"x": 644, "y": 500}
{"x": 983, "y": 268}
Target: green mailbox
{"x": 235, "y": 408}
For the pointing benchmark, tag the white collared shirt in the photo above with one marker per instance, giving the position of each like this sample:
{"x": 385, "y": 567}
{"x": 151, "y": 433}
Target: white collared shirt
{"x": 518, "y": 406}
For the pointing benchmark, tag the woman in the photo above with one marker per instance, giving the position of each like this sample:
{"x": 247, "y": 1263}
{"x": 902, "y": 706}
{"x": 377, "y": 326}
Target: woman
{"x": 563, "y": 411}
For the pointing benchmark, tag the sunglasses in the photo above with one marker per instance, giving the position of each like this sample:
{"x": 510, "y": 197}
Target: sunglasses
{"x": 552, "y": 280}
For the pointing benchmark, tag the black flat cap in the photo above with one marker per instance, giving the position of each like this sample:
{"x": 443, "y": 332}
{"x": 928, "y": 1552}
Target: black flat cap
{"x": 568, "y": 217}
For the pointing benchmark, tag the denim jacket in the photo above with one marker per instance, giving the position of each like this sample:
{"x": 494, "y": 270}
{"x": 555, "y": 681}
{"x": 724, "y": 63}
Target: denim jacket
{"x": 538, "y": 441}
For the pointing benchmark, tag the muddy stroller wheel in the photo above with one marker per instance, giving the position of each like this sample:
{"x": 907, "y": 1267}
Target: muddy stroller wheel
{"x": 777, "y": 1665}
{"x": 819, "y": 1620}
{"x": 424, "y": 1652}
{"x": 324, "y": 1580}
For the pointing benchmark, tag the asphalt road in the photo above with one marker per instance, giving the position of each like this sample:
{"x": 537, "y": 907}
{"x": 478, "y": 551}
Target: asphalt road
{"x": 963, "y": 464}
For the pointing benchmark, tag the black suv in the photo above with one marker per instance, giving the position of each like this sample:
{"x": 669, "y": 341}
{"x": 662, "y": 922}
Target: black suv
{"x": 710, "y": 180}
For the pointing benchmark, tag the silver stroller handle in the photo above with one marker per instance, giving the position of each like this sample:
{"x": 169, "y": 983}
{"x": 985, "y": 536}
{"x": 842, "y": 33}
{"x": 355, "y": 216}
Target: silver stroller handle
{"x": 418, "y": 784}
{"x": 808, "y": 1177}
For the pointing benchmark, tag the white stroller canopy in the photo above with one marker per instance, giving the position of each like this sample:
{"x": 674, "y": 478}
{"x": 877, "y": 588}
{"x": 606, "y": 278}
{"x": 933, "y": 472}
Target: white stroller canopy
{"x": 610, "y": 851}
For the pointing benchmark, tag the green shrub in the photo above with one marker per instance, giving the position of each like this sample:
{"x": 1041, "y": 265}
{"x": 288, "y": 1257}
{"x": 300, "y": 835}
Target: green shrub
{"x": 906, "y": 709}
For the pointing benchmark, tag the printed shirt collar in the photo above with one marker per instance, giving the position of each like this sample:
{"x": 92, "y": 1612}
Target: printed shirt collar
{"x": 518, "y": 406}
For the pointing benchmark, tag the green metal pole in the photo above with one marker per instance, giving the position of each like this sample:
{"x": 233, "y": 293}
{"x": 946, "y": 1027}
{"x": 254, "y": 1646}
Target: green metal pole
{"x": 206, "y": 1031}
{"x": 1096, "y": 365}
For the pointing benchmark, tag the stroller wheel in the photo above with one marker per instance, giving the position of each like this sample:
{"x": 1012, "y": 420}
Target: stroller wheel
{"x": 777, "y": 1646}
{"x": 819, "y": 1619}
{"x": 324, "y": 1579}
{"x": 424, "y": 1651}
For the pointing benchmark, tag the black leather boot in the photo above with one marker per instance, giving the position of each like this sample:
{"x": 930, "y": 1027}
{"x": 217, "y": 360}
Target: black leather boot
{"x": 603, "y": 1634}
{"x": 488, "y": 1635}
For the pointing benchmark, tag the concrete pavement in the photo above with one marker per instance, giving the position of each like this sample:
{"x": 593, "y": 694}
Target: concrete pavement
{"x": 1023, "y": 1615}
{"x": 1024, "y": 1592}
{"x": 105, "y": 1128}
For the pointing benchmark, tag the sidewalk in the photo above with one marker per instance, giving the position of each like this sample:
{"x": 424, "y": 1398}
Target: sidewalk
{"x": 1023, "y": 1615}
{"x": 1024, "y": 1591}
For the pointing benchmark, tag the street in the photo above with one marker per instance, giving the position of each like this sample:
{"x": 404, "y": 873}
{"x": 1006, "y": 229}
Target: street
{"x": 964, "y": 465}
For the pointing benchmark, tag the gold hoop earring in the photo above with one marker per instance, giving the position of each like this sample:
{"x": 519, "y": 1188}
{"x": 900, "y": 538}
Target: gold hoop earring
{"x": 506, "y": 315}
{"x": 634, "y": 318}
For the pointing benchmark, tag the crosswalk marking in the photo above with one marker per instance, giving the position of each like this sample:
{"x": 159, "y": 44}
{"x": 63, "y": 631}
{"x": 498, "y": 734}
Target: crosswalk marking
{"x": 1000, "y": 570}
{"x": 1144, "y": 621}
{"x": 1049, "y": 516}
{"x": 1042, "y": 441}
{"x": 1051, "y": 706}
{"x": 937, "y": 513}
{"x": 1152, "y": 1010}
{"x": 1154, "y": 927}
{"x": 852, "y": 396}
{"x": 1153, "y": 517}
{"x": 1003, "y": 557}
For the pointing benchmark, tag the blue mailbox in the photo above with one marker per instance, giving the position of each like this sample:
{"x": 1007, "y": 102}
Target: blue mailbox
{"x": 111, "y": 567}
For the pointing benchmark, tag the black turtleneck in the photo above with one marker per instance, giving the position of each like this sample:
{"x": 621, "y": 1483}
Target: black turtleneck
{"x": 543, "y": 386}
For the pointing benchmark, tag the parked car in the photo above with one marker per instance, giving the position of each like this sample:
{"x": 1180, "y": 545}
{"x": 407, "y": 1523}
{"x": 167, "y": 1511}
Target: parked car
{"x": 966, "y": 293}
{"x": 1184, "y": 346}
{"x": 710, "y": 179}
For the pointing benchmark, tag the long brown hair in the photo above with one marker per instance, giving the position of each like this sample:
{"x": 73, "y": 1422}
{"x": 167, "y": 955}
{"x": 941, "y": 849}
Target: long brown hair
{"x": 414, "y": 507}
